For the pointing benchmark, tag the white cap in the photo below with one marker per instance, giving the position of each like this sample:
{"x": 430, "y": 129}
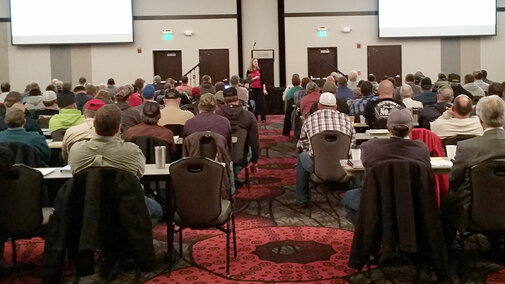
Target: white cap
{"x": 48, "y": 96}
{"x": 328, "y": 99}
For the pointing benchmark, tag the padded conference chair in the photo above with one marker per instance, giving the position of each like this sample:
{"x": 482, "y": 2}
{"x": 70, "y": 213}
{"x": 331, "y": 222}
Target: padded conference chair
{"x": 43, "y": 121}
{"x": 240, "y": 151}
{"x": 57, "y": 135}
{"x": 329, "y": 147}
{"x": 24, "y": 154}
{"x": 21, "y": 213}
{"x": 147, "y": 144}
{"x": 177, "y": 129}
{"x": 453, "y": 140}
{"x": 197, "y": 183}
{"x": 487, "y": 213}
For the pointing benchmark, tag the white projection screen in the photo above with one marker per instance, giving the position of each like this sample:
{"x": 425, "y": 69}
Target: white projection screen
{"x": 71, "y": 21}
{"x": 436, "y": 18}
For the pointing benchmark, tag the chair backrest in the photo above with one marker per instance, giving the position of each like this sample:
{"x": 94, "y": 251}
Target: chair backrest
{"x": 25, "y": 154}
{"x": 147, "y": 144}
{"x": 488, "y": 194}
{"x": 57, "y": 135}
{"x": 240, "y": 149}
{"x": 43, "y": 121}
{"x": 197, "y": 184}
{"x": 20, "y": 202}
{"x": 329, "y": 147}
{"x": 177, "y": 129}
{"x": 453, "y": 140}
{"x": 191, "y": 107}
{"x": 208, "y": 147}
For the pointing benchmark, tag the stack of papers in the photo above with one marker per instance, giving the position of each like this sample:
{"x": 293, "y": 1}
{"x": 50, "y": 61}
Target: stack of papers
{"x": 440, "y": 162}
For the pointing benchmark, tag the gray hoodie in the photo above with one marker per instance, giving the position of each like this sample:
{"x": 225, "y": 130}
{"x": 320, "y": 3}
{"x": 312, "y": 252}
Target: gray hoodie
{"x": 34, "y": 103}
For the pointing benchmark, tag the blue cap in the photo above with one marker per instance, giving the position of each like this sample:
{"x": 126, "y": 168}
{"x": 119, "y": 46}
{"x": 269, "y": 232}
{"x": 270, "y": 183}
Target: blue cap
{"x": 148, "y": 91}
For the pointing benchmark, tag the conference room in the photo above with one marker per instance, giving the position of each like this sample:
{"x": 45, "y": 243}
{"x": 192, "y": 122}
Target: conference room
{"x": 251, "y": 141}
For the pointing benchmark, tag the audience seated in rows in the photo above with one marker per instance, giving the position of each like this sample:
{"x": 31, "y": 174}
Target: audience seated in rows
{"x": 49, "y": 99}
{"x": 82, "y": 131}
{"x": 34, "y": 100}
{"x": 137, "y": 87}
{"x": 111, "y": 88}
{"x": 184, "y": 87}
{"x": 106, "y": 149}
{"x": 242, "y": 93}
{"x": 406, "y": 95}
{"x": 472, "y": 87}
{"x": 326, "y": 118}
{"x": 129, "y": 116}
{"x": 16, "y": 98}
{"x": 358, "y": 106}
{"x": 171, "y": 113}
{"x": 427, "y": 96}
{"x": 5, "y": 88}
{"x": 398, "y": 147}
{"x": 343, "y": 92}
{"x": 377, "y": 111}
{"x": 491, "y": 115}
{"x": 454, "y": 81}
{"x": 149, "y": 126}
{"x": 15, "y": 133}
{"x": 156, "y": 83}
{"x": 207, "y": 120}
{"x": 310, "y": 98}
{"x": 477, "y": 74}
{"x": 409, "y": 80}
{"x": 442, "y": 81}
{"x": 68, "y": 116}
{"x": 239, "y": 117}
{"x": 445, "y": 95}
{"x": 81, "y": 97}
{"x": 148, "y": 95}
{"x": 457, "y": 120}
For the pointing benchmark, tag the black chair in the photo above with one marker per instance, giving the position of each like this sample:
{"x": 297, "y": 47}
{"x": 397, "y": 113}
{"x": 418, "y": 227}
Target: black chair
{"x": 99, "y": 209}
{"x": 197, "y": 183}
{"x": 193, "y": 107}
{"x": 147, "y": 144}
{"x": 240, "y": 151}
{"x": 58, "y": 134}
{"x": 487, "y": 213}
{"x": 208, "y": 147}
{"x": 43, "y": 121}
{"x": 453, "y": 140}
{"x": 24, "y": 154}
{"x": 177, "y": 129}
{"x": 21, "y": 213}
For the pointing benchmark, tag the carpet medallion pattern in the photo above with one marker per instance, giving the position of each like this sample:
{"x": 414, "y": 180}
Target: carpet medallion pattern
{"x": 279, "y": 254}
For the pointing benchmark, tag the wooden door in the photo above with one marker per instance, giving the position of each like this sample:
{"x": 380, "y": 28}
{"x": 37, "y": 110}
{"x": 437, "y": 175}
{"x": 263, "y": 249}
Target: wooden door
{"x": 385, "y": 60}
{"x": 322, "y": 61}
{"x": 215, "y": 63}
{"x": 168, "y": 63}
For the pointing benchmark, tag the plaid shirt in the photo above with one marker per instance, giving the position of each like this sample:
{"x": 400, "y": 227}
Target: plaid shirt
{"x": 322, "y": 120}
{"x": 358, "y": 106}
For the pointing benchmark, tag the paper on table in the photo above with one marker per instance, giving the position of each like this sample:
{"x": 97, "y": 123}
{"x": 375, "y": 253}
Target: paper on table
{"x": 440, "y": 161}
{"x": 66, "y": 169}
{"x": 45, "y": 171}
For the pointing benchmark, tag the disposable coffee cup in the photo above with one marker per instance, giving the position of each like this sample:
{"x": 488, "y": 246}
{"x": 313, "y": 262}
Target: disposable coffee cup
{"x": 159, "y": 156}
{"x": 451, "y": 151}
{"x": 356, "y": 154}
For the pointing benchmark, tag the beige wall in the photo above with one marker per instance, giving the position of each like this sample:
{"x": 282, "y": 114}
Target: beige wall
{"x": 186, "y": 7}
{"x": 303, "y": 6}
{"x": 492, "y": 57}
{"x": 123, "y": 63}
{"x": 4, "y": 55}
{"x": 302, "y": 33}
{"x": 259, "y": 24}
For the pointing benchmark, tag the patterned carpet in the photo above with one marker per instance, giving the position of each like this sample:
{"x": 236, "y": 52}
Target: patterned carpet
{"x": 276, "y": 240}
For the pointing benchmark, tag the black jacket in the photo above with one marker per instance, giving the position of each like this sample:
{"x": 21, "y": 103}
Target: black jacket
{"x": 431, "y": 112}
{"x": 99, "y": 208}
{"x": 398, "y": 213}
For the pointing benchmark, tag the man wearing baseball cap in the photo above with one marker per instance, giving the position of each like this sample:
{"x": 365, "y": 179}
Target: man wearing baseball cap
{"x": 399, "y": 146}
{"x": 83, "y": 131}
{"x": 172, "y": 114}
{"x": 49, "y": 99}
{"x": 327, "y": 118}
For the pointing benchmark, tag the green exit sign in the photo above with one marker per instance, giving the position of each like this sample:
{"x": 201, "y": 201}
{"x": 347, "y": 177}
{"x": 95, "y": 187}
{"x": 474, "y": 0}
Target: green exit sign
{"x": 168, "y": 36}
{"x": 322, "y": 33}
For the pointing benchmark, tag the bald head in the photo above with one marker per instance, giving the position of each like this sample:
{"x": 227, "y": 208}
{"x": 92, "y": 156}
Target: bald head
{"x": 386, "y": 89}
{"x": 463, "y": 106}
{"x": 406, "y": 92}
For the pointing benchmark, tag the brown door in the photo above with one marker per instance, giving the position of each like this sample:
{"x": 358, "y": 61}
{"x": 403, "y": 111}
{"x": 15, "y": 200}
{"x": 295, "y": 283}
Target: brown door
{"x": 322, "y": 61}
{"x": 215, "y": 63}
{"x": 385, "y": 60}
{"x": 168, "y": 64}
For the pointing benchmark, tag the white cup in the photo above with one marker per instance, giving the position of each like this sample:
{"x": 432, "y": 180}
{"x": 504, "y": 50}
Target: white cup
{"x": 356, "y": 154}
{"x": 451, "y": 151}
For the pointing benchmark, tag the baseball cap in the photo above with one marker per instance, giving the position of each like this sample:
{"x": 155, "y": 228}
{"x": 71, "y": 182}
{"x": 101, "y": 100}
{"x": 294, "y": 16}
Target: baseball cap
{"x": 94, "y": 104}
{"x": 454, "y": 78}
{"x": 328, "y": 99}
{"x": 151, "y": 109}
{"x": 49, "y": 96}
{"x": 400, "y": 117}
{"x": 148, "y": 91}
{"x": 426, "y": 82}
{"x": 172, "y": 94}
{"x": 123, "y": 91}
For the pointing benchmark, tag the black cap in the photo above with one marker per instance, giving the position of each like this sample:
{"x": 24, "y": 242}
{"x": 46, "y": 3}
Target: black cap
{"x": 172, "y": 94}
